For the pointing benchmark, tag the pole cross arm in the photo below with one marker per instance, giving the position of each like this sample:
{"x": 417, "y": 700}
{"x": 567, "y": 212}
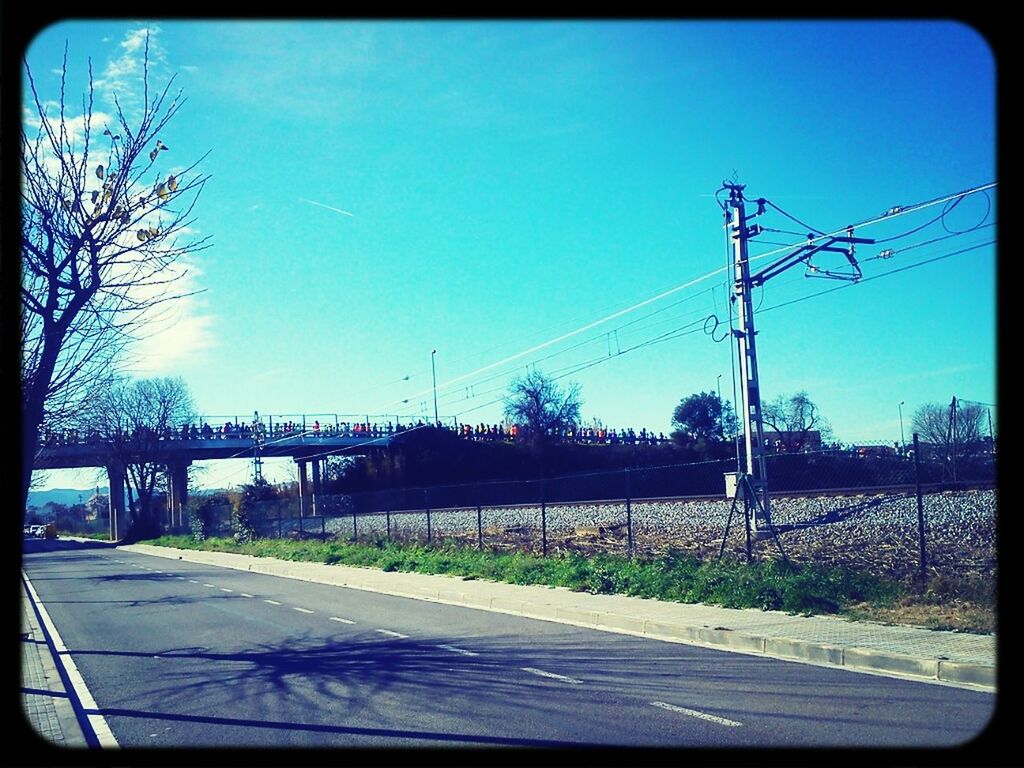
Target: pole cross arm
{"x": 803, "y": 255}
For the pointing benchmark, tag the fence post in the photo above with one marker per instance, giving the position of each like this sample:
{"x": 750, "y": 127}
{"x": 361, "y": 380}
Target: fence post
{"x": 302, "y": 531}
{"x": 920, "y": 510}
{"x": 629, "y": 513}
{"x": 479, "y": 521}
{"x": 426, "y": 504}
{"x": 323, "y": 528}
{"x": 543, "y": 520}
{"x": 387, "y": 517}
{"x": 355, "y": 533}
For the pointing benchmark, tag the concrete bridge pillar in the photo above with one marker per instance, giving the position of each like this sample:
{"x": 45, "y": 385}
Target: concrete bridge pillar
{"x": 317, "y": 486}
{"x": 115, "y": 481}
{"x": 177, "y": 496}
{"x": 304, "y": 500}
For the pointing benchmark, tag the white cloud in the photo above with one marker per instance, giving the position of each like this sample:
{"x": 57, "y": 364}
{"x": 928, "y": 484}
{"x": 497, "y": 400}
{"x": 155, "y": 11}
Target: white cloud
{"x": 178, "y": 333}
{"x": 123, "y": 74}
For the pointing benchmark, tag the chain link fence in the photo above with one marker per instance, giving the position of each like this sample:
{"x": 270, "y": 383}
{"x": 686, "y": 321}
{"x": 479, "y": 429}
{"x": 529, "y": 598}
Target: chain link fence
{"x": 854, "y": 509}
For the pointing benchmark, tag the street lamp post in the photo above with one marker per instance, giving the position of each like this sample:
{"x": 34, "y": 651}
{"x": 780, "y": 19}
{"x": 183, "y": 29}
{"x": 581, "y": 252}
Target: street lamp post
{"x": 433, "y": 373}
{"x": 903, "y": 440}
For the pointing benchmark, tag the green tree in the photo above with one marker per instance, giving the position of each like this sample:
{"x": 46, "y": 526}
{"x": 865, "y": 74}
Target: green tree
{"x": 703, "y": 417}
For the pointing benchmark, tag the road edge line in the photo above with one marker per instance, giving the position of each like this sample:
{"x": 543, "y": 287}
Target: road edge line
{"x": 94, "y": 726}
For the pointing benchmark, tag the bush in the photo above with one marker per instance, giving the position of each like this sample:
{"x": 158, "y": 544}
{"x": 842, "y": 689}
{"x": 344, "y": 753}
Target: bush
{"x": 200, "y": 514}
{"x": 243, "y": 511}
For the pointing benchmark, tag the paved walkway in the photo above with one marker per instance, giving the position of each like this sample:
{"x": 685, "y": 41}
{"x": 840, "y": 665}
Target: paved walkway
{"x": 44, "y": 699}
{"x": 951, "y": 658}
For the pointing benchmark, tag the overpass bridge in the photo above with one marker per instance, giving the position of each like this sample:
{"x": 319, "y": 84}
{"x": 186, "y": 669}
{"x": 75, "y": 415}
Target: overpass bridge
{"x": 305, "y": 439}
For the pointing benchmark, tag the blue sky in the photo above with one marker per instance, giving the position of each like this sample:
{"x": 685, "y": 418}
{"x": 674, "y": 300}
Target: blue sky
{"x": 382, "y": 189}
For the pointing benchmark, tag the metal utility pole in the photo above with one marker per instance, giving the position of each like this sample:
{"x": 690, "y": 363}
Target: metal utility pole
{"x": 952, "y": 427}
{"x": 257, "y": 447}
{"x": 903, "y": 441}
{"x": 433, "y": 373}
{"x": 750, "y": 391}
{"x": 754, "y": 482}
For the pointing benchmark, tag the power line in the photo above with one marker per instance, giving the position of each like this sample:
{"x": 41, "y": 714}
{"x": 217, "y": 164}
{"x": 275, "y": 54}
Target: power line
{"x": 890, "y": 214}
{"x": 883, "y": 274}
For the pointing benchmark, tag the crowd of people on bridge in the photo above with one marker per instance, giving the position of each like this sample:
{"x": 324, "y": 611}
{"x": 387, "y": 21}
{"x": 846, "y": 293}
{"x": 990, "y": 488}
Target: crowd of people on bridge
{"x": 283, "y": 430}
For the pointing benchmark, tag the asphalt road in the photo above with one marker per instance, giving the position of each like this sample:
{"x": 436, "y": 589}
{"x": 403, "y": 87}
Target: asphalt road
{"x": 182, "y": 654}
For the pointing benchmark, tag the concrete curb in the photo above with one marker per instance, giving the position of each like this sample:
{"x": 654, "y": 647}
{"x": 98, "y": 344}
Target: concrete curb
{"x": 789, "y": 649}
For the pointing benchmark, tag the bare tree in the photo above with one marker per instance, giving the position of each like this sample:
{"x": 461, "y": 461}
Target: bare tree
{"x": 796, "y": 417}
{"x": 138, "y": 419}
{"x": 535, "y": 401}
{"x": 934, "y": 425}
{"x": 104, "y": 229}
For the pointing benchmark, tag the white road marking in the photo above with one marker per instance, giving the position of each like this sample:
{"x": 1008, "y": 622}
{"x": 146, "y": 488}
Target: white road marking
{"x": 182, "y": 578}
{"x": 552, "y": 675}
{"x": 453, "y": 649}
{"x": 245, "y": 594}
{"x": 272, "y": 602}
{"x": 695, "y": 713}
{"x": 303, "y": 610}
{"x": 96, "y": 721}
{"x": 193, "y": 581}
{"x": 225, "y": 589}
{"x": 209, "y": 585}
{"x": 389, "y": 633}
{"x": 343, "y": 621}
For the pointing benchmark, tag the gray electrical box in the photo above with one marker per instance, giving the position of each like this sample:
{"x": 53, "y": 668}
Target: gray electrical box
{"x": 730, "y": 484}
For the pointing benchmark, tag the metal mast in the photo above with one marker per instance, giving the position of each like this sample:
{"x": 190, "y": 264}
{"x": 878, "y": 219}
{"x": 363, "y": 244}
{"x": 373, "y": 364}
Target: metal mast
{"x": 753, "y": 484}
{"x": 750, "y": 392}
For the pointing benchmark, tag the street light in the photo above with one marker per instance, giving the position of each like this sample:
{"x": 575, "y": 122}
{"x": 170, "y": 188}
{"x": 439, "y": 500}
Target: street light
{"x": 903, "y": 440}
{"x": 433, "y": 373}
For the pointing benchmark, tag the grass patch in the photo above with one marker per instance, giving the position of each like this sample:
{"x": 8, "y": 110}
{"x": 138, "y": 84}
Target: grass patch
{"x": 676, "y": 576}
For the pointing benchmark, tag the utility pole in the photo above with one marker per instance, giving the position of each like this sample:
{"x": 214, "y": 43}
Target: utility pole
{"x": 433, "y": 373}
{"x": 754, "y": 482}
{"x": 952, "y": 426}
{"x": 750, "y": 393}
{"x": 257, "y": 447}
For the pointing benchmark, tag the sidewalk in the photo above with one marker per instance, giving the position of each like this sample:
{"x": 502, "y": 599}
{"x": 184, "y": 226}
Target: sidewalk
{"x": 909, "y": 652}
{"x": 44, "y": 699}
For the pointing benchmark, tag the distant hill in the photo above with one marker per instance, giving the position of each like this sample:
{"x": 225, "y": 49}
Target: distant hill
{"x": 67, "y": 496}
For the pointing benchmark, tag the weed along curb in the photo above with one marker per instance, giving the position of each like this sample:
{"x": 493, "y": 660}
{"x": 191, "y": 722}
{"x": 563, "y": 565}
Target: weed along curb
{"x": 621, "y": 614}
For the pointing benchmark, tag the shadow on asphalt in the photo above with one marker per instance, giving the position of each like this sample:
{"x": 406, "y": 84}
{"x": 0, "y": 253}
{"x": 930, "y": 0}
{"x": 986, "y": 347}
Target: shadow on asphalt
{"x": 363, "y": 676}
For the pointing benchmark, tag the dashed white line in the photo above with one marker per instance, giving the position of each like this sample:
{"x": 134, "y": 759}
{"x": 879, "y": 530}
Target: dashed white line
{"x": 245, "y": 594}
{"x": 225, "y": 589}
{"x": 552, "y": 675}
{"x": 341, "y": 620}
{"x": 695, "y": 713}
{"x": 181, "y": 578}
{"x": 389, "y": 633}
{"x": 272, "y": 602}
{"x": 301, "y": 610}
{"x": 209, "y": 585}
{"x": 462, "y": 651}
{"x": 193, "y": 581}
